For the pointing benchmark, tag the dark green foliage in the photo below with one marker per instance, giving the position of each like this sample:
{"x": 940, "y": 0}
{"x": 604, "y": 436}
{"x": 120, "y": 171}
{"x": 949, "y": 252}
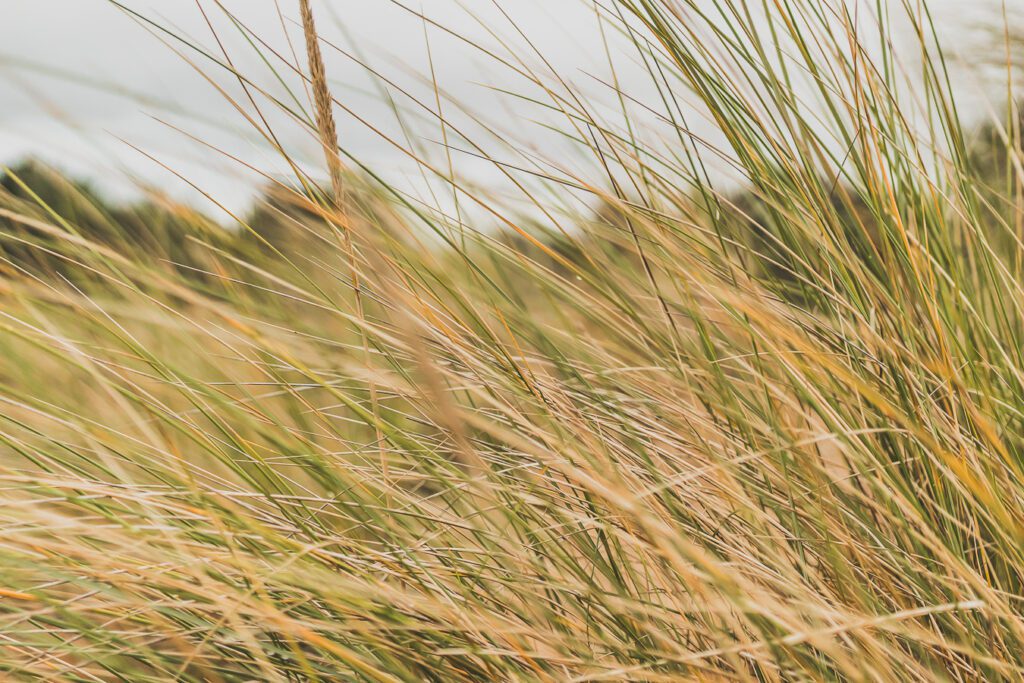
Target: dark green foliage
{"x": 52, "y": 211}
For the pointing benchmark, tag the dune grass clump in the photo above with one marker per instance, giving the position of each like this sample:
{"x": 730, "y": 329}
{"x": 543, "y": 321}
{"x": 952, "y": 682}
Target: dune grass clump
{"x": 659, "y": 426}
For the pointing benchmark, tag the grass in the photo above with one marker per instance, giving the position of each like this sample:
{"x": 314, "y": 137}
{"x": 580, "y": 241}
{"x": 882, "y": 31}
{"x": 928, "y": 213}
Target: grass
{"x": 700, "y": 433}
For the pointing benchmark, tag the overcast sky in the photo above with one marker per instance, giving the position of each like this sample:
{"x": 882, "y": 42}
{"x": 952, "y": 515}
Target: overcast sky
{"x": 77, "y": 118}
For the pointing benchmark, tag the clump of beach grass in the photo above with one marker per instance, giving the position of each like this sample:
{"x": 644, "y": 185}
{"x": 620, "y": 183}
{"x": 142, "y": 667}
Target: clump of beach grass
{"x": 768, "y": 430}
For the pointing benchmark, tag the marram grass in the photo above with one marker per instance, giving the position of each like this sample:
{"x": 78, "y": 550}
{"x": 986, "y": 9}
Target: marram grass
{"x": 772, "y": 433}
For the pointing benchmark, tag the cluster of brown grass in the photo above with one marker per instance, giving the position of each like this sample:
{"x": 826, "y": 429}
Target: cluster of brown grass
{"x": 697, "y": 434}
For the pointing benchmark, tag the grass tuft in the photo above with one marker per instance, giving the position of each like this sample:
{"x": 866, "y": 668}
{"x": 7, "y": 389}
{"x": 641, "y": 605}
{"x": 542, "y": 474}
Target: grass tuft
{"x": 745, "y": 405}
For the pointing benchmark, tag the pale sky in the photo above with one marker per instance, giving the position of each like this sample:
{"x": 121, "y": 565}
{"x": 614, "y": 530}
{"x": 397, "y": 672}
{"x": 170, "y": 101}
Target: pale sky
{"x": 90, "y": 130}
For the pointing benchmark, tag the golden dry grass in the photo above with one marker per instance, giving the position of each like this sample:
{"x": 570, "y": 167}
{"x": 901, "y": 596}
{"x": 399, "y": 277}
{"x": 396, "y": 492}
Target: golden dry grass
{"x": 701, "y": 435}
